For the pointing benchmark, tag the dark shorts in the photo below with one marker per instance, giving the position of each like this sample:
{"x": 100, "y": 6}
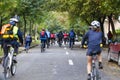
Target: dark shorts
{"x": 96, "y": 49}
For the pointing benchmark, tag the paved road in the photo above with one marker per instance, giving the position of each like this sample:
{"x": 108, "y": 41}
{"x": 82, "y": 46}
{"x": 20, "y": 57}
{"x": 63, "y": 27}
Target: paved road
{"x": 56, "y": 64}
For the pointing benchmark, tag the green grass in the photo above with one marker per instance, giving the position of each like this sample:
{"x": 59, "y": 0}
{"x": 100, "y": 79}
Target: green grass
{"x": 1, "y": 51}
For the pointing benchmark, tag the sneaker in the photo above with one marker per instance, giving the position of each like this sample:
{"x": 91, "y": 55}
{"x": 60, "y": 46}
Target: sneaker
{"x": 100, "y": 65}
{"x": 89, "y": 77}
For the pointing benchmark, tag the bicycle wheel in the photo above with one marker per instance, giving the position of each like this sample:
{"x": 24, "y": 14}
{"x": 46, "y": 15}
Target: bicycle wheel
{"x": 42, "y": 48}
{"x": 71, "y": 45}
{"x": 95, "y": 74}
{"x": 13, "y": 68}
{"x": 6, "y": 68}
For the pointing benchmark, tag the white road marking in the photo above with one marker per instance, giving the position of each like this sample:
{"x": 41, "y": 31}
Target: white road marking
{"x": 54, "y": 70}
{"x": 70, "y": 62}
{"x": 65, "y": 48}
{"x": 67, "y": 53}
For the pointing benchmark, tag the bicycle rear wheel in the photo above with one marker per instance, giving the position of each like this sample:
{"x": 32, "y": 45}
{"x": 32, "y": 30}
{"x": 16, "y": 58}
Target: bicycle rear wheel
{"x": 95, "y": 74}
{"x": 42, "y": 47}
{"x": 6, "y": 68}
{"x": 71, "y": 45}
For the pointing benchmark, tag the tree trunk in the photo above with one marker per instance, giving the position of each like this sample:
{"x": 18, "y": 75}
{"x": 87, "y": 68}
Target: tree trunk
{"x": 0, "y": 22}
{"x": 30, "y": 26}
{"x": 112, "y": 24}
{"x": 101, "y": 20}
{"x": 24, "y": 18}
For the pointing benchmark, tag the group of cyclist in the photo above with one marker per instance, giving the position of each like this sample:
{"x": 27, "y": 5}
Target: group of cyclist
{"x": 93, "y": 37}
{"x": 50, "y": 38}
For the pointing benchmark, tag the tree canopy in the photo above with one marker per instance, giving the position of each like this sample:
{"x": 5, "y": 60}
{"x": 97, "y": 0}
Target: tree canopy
{"x": 59, "y": 14}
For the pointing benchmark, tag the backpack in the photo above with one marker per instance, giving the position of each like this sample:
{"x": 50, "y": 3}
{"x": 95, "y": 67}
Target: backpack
{"x": 60, "y": 35}
{"x": 52, "y": 36}
{"x": 7, "y": 31}
{"x": 28, "y": 38}
{"x": 43, "y": 33}
{"x": 72, "y": 34}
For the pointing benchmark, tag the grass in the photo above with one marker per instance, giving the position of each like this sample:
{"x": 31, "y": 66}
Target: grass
{"x": 1, "y": 51}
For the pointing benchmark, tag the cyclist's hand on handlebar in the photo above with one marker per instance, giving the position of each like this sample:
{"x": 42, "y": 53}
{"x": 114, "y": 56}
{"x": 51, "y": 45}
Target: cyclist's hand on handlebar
{"x": 84, "y": 46}
{"x": 101, "y": 45}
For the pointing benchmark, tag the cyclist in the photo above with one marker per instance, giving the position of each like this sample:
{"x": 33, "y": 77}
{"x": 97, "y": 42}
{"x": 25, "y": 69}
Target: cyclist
{"x": 14, "y": 34}
{"x": 71, "y": 37}
{"x": 94, "y": 38}
{"x": 65, "y": 37}
{"x": 52, "y": 36}
{"x": 43, "y": 37}
{"x": 60, "y": 37}
{"x": 28, "y": 40}
{"x": 48, "y": 39}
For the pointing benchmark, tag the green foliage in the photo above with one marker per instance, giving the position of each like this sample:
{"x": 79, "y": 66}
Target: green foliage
{"x": 57, "y": 15}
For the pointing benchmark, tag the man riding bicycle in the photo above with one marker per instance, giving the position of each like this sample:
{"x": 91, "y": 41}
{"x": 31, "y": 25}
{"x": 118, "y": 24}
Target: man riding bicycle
{"x": 43, "y": 37}
{"x": 94, "y": 37}
{"x": 60, "y": 37}
{"x": 71, "y": 37}
{"x": 10, "y": 35}
{"x": 48, "y": 39}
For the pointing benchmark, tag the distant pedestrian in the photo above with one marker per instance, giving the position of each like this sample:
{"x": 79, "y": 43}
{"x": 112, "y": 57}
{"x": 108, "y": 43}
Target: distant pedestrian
{"x": 28, "y": 40}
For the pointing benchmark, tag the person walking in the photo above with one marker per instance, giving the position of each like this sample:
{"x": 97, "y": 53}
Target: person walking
{"x": 28, "y": 40}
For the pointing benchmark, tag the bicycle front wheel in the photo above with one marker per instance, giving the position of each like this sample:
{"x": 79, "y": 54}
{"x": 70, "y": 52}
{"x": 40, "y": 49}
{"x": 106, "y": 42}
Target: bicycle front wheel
{"x": 13, "y": 68}
{"x": 6, "y": 68}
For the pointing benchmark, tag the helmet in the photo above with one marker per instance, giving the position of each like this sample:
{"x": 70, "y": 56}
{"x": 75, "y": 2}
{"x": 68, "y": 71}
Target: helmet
{"x": 14, "y": 19}
{"x": 12, "y": 22}
{"x": 95, "y": 24}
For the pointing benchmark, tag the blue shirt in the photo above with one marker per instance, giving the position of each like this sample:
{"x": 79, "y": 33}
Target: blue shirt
{"x": 94, "y": 39}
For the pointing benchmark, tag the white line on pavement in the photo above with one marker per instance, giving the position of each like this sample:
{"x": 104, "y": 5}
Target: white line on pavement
{"x": 70, "y": 62}
{"x": 67, "y": 53}
{"x": 65, "y": 48}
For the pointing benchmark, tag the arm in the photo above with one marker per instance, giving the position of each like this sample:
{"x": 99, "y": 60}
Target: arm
{"x": 19, "y": 33}
{"x": 85, "y": 37}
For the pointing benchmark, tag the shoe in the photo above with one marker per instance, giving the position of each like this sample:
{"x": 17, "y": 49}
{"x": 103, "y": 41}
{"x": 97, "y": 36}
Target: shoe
{"x": 100, "y": 65}
{"x": 89, "y": 77}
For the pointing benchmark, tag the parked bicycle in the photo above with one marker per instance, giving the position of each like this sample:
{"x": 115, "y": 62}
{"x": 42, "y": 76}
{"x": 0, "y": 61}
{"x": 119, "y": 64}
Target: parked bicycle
{"x": 9, "y": 63}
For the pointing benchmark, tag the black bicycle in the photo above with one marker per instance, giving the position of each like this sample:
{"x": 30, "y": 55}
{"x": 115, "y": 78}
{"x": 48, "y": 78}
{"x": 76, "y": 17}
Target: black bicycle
{"x": 71, "y": 43}
{"x": 9, "y": 63}
{"x": 95, "y": 75}
{"x": 42, "y": 46}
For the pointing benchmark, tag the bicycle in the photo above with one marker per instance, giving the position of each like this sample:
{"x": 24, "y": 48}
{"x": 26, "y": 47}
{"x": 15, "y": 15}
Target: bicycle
{"x": 9, "y": 63}
{"x": 95, "y": 75}
{"x": 27, "y": 47}
{"x": 42, "y": 46}
{"x": 60, "y": 43}
{"x": 71, "y": 43}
